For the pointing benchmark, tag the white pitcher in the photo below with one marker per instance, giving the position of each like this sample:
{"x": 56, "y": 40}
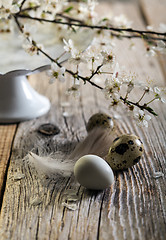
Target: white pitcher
{"x": 18, "y": 100}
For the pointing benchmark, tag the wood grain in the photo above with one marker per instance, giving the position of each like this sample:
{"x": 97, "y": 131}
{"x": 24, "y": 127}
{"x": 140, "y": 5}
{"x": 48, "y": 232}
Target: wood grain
{"x": 7, "y": 134}
{"x": 154, "y": 14}
{"x": 134, "y": 206}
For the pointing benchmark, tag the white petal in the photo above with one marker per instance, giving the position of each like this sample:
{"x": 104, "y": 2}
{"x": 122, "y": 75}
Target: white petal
{"x": 161, "y": 44}
{"x": 147, "y": 117}
{"x": 141, "y": 113}
{"x": 15, "y": 8}
{"x": 54, "y": 67}
{"x": 145, "y": 123}
{"x": 61, "y": 78}
{"x": 63, "y": 70}
{"x": 156, "y": 90}
{"x": 163, "y": 100}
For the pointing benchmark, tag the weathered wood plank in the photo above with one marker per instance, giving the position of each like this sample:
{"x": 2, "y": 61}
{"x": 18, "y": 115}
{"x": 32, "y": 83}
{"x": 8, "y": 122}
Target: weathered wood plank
{"x": 134, "y": 199}
{"x": 133, "y": 208}
{"x": 154, "y": 14}
{"x": 154, "y": 11}
{"x": 7, "y": 133}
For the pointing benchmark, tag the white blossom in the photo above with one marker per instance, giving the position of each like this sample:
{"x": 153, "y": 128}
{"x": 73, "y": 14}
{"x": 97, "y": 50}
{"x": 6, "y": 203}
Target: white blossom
{"x": 30, "y": 48}
{"x": 150, "y": 52}
{"x": 141, "y": 117}
{"x": 108, "y": 57}
{"x": 115, "y": 100}
{"x": 56, "y": 72}
{"x": 104, "y": 42}
{"x": 77, "y": 60}
{"x": 74, "y": 90}
{"x": 47, "y": 8}
{"x": 93, "y": 57}
{"x": 130, "y": 87}
{"x": 161, "y": 47}
{"x": 113, "y": 84}
{"x": 160, "y": 93}
{"x": 87, "y": 11}
{"x": 122, "y": 21}
{"x": 7, "y": 7}
{"x": 92, "y": 4}
{"x": 69, "y": 47}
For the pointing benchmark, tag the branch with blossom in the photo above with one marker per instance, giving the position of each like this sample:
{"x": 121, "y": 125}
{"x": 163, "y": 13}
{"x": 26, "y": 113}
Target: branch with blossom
{"x": 98, "y": 56}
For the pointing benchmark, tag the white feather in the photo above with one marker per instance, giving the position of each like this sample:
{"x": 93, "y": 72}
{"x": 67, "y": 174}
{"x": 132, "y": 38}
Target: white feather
{"x": 97, "y": 142}
{"x": 51, "y": 166}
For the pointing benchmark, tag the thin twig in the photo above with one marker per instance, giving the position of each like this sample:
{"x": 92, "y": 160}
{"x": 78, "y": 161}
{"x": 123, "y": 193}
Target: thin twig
{"x": 70, "y": 19}
{"x": 95, "y": 72}
{"x": 142, "y": 107}
{"x": 141, "y": 33}
{"x": 142, "y": 96}
{"x": 22, "y": 4}
{"x": 29, "y": 9}
{"x": 151, "y": 101}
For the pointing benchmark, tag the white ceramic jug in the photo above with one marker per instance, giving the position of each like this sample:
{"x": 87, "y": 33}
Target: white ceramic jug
{"x": 18, "y": 100}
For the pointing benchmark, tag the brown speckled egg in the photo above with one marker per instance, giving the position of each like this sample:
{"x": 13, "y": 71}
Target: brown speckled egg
{"x": 125, "y": 151}
{"x": 99, "y": 120}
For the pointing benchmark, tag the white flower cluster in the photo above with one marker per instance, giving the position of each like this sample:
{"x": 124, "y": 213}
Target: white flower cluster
{"x": 9, "y": 7}
{"x": 160, "y": 46}
{"x": 153, "y": 50}
{"x": 47, "y": 9}
{"x": 98, "y": 59}
{"x": 87, "y": 11}
{"x": 141, "y": 117}
{"x": 160, "y": 93}
{"x": 56, "y": 72}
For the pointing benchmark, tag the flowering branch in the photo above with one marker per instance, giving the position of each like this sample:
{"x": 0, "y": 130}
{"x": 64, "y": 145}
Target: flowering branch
{"x": 125, "y": 100}
{"x": 75, "y": 75}
{"x": 98, "y": 56}
{"x": 142, "y": 107}
{"x": 146, "y": 35}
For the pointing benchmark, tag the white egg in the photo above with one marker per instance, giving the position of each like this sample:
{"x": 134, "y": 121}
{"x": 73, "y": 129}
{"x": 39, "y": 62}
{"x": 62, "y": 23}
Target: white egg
{"x": 93, "y": 172}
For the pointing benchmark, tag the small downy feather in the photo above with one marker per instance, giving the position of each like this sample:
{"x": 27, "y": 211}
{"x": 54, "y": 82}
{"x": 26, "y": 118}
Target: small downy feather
{"x": 97, "y": 142}
{"x": 51, "y": 166}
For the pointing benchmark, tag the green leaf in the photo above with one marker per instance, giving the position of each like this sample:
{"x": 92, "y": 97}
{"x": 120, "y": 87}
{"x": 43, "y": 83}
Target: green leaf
{"x": 67, "y": 10}
{"x": 149, "y": 109}
{"x": 104, "y": 19}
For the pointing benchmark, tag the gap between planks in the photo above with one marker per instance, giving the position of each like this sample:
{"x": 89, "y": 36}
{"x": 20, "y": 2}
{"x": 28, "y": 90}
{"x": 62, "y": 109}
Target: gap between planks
{"x": 7, "y": 134}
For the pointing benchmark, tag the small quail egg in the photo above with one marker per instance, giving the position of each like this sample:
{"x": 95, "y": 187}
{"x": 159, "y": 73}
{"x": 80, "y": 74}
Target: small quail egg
{"x": 99, "y": 120}
{"x": 93, "y": 172}
{"x": 125, "y": 151}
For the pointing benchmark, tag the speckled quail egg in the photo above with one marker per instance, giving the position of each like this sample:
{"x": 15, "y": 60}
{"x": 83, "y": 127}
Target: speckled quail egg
{"x": 99, "y": 120}
{"x": 93, "y": 172}
{"x": 125, "y": 151}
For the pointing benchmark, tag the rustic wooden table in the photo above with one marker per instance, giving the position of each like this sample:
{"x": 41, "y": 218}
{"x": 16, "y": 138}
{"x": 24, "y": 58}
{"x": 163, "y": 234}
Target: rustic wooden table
{"x": 134, "y": 207}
